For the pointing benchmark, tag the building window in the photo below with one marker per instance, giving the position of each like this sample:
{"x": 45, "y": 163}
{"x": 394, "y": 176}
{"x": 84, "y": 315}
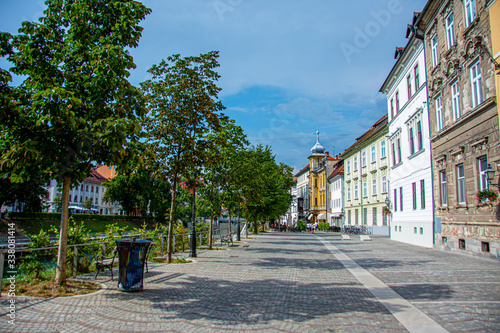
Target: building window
{"x": 349, "y": 220}
{"x": 450, "y": 30}
{"x": 420, "y": 142}
{"x": 460, "y": 184}
{"x": 81, "y": 188}
{"x": 96, "y": 189}
{"x": 384, "y": 219}
{"x": 373, "y": 153}
{"x": 355, "y": 163}
{"x": 374, "y": 215}
{"x": 408, "y": 85}
{"x": 483, "y": 179}
{"x": 395, "y": 199}
{"x": 356, "y": 217}
{"x": 476, "y": 83}
{"x": 399, "y": 150}
{"x": 393, "y": 154}
{"x": 444, "y": 188}
{"x": 421, "y": 230}
{"x": 434, "y": 50}
{"x": 384, "y": 184}
{"x": 382, "y": 149}
{"x": 470, "y": 11}
{"x": 415, "y": 230}
{"x": 374, "y": 186}
{"x": 417, "y": 78}
{"x": 348, "y": 167}
{"x": 76, "y": 198}
{"x": 392, "y": 108}
{"x": 81, "y": 198}
{"x": 355, "y": 191}
{"x": 96, "y": 201}
{"x": 439, "y": 113}
{"x": 92, "y": 189}
{"x": 414, "y": 195}
{"x": 455, "y": 100}
{"x": 397, "y": 101}
{"x": 365, "y": 216}
{"x": 412, "y": 142}
{"x": 87, "y": 188}
{"x": 400, "y": 199}
{"x": 363, "y": 159}
{"x": 422, "y": 194}
{"x": 365, "y": 189}
{"x": 69, "y": 199}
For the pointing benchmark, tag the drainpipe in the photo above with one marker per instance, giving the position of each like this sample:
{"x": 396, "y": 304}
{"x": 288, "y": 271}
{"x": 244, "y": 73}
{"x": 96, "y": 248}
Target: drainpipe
{"x": 361, "y": 188}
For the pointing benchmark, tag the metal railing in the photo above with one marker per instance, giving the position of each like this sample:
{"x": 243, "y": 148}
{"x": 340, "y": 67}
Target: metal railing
{"x": 178, "y": 239}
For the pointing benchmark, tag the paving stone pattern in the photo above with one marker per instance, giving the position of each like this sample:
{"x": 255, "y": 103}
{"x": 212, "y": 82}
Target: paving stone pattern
{"x": 280, "y": 282}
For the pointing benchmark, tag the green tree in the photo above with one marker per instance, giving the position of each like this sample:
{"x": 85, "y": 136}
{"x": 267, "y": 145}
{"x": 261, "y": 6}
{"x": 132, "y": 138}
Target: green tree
{"x": 30, "y": 193}
{"x": 139, "y": 190}
{"x": 87, "y": 204}
{"x": 223, "y": 178}
{"x": 75, "y": 106}
{"x": 183, "y": 111}
{"x": 266, "y": 186}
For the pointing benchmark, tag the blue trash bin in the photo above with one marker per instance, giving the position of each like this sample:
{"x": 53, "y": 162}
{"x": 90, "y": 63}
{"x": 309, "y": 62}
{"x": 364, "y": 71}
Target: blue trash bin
{"x": 131, "y": 259}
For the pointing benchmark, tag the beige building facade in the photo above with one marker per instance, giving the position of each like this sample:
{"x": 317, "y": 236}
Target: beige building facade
{"x": 463, "y": 123}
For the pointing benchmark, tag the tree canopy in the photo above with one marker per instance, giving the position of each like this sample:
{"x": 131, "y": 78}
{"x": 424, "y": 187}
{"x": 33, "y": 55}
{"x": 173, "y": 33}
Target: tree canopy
{"x": 76, "y": 106}
{"x": 183, "y": 105}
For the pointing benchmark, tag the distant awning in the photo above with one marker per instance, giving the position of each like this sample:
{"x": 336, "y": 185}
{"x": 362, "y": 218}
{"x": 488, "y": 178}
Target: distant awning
{"x": 75, "y": 208}
{"x": 335, "y": 215}
{"x": 322, "y": 216}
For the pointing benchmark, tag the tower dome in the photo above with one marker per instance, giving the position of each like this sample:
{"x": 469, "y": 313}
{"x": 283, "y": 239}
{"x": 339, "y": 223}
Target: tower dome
{"x": 318, "y": 148}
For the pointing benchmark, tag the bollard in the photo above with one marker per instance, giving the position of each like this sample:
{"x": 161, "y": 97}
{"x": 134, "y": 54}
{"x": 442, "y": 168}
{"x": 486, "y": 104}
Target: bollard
{"x": 75, "y": 260}
{"x": 183, "y": 241}
{"x": 103, "y": 246}
{"x": 161, "y": 246}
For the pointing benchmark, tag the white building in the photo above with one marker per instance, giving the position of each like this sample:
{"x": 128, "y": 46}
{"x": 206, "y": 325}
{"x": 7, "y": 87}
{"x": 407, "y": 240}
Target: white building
{"x": 336, "y": 191}
{"x": 410, "y": 177}
{"x": 303, "y": 193}
{"x": 91, "y": 188}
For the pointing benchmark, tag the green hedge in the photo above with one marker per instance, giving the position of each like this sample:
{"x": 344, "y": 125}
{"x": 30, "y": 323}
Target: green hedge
{"x": 79, "y": 217}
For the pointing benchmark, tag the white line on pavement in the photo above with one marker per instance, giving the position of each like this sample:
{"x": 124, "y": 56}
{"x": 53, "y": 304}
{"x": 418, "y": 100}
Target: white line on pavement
{"x": 414, "y": 320}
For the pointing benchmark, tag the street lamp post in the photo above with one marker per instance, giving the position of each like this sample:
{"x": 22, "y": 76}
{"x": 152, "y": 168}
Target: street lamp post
{"x": 238, "y": 226}
{"x": 193, "y": 229}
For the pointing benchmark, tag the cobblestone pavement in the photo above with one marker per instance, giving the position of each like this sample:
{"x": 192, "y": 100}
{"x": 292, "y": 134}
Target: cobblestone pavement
{"x": 280, "y": 282}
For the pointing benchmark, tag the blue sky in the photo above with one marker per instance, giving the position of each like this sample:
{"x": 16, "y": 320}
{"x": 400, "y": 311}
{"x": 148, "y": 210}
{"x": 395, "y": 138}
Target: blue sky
{"x": 288, "y": 67}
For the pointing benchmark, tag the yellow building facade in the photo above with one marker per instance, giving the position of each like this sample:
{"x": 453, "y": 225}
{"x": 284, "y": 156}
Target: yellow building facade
{"x": 319, "y": 164}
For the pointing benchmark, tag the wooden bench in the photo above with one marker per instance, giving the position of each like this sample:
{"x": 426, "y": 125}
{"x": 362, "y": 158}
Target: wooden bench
{"x": 102, "y": 262}
{"x": 364, "y": 238}
{"x": 227, "y": 239}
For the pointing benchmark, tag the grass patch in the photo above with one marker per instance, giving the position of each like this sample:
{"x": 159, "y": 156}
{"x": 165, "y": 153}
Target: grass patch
{"x": 44, "y": 286}
{"x": 174, "y": 260}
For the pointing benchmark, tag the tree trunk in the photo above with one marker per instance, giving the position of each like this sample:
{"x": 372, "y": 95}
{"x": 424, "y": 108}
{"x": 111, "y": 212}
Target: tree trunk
{"x": 255, "y": 226}
{"x": 171, "y": 223}
{"x": 210, "y": 231}
{"x": 63, "y": 236}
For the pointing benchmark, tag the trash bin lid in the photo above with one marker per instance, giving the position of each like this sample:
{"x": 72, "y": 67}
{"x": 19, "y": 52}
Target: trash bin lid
{"x": 128, "y": 240}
